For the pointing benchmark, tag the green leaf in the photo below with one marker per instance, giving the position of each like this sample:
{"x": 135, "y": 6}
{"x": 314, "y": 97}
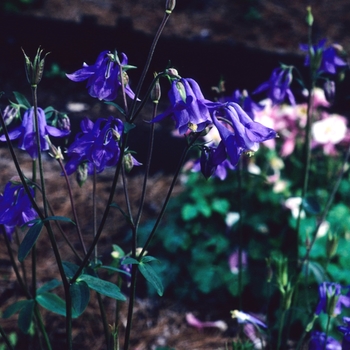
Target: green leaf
{"x": 25, "y": 316}
{"x": 151, "y": 276}
{"x": 317, "y": 270}
{"x": 22, "y": 100}
{"x": 148, "y": 258}
{"x": 128, "y": 127}
{"x": 220, "y": 205}
{"x": 189, "y": 212}
{"x": 131, "y": 261}
{"x": 48, "y": 286}
{"x": 80, "y": 294}
{"x": 13, "y": 308}
{"x": 120, "y": 109}
{"x": 127, "y": 217}
{"x": 53, "y": 303}
{"x": 69, "y": 268}
{"x": 114, "y": 269}
{"x": 59, "y": 218}
{"x": 103, "y": 287}
{"x": 311, "y": 205}
{"x": 29, "y": 240}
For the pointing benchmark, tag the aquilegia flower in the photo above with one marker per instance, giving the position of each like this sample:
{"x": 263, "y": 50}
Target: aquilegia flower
{"x": 15, "y": 207}
{"x": 318, "y": 339}
{"x": 278, "y": 86}
{"x": 346, "y": 333}
{"x": 243, "y": 317}
{"x": 323, "y": 59}
{"x": 188, "y": 106}
{"x": 103, "y": 76}
{"x": 97, "y": 145}
{"x": 246, "y": 102}
{"x": 330, "y": 299}
{"x": 26, "y": 135}
{"x": 238, "y": 132}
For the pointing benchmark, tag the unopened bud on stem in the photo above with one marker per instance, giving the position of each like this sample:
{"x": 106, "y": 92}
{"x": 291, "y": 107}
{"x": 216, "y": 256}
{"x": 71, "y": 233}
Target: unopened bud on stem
{"x": 35, "y": 69}
{"x": 170, "y": 5}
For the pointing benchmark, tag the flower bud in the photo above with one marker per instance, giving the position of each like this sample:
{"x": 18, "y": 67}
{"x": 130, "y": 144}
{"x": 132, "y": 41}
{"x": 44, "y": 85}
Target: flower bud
{"x": 172, "y": 72}
{"x": 309, "y": 17}
{"x": 329, "y": 90}
{"x": 169, "y": 6}
{"x": 11, "y": 112}
{"x": 82, "y": 174}
{"x": 331, "y": 245}
{"x": 128, "y": 162}
{"x": 35, "y": 69}
{"x": 63, "y": 122}
{"x": 156, "y": 92}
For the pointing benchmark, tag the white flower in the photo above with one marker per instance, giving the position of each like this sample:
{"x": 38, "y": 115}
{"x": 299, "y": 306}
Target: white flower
{"x": 329, "y": 130}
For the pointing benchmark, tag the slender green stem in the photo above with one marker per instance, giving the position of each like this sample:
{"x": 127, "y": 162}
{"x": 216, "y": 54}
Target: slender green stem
{"x": 327, "y": 330}
{"x": 104, "y": 320}
{"x": 280, "y": 329}
{"x": 148, "y": 61}
{"x": 148, "y": 165}
{"x": 240, "y": 235}
{"x": 94, "y": 212}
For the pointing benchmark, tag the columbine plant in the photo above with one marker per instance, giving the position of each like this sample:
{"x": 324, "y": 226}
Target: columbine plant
{"x": 225, "y": 133}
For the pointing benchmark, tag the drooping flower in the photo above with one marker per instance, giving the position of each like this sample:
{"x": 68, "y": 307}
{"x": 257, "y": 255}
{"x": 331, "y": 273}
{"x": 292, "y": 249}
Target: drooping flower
{"x": 345, "y": 329}
{"x": 97, "y": 145}
{"x": 103, "y": 76}
{"x": 195, "y": 322}
{"x": 278, "y": 86}
{"x": 318, "y": 339}
{"x": 233, "y": 261}
{"x": 323, "y": 59}
{"x": 15, "y": 207}
{"x": 238, "y": 132}
{"x": 243, "y": 317}
{"x": 188, "y": 106}
{"x": 246, "y": 102}
{"x": 330, "y": 299}
{"x": 25, "y": 133}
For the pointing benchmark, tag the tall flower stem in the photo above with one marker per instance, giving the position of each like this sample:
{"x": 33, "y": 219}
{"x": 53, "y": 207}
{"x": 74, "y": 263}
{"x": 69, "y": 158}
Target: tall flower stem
{"x": 240, "y": 234}
{"x": 280, "y": 329}
{"x": 148, "y": 62}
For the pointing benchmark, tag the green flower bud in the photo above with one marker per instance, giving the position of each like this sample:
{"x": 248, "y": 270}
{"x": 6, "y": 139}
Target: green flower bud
{"x": 156, "y": 92}
{"x": 332, "y": 245}
{"x": 128, "y": 162}
{"x": 169, "y": 6}
{"x": 82, "y": 174}
{"x": 287, "y": 298}
{"x": 309, "y": 17}
{"x": 34, "y": 70}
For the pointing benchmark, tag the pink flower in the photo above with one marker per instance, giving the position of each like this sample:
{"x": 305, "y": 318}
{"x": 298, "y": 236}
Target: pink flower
{"x": 194, "y": 322}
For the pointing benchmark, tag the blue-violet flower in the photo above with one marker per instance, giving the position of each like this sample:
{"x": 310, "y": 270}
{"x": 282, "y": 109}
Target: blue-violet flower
{"x": 188, "y": 106}
{"x": 97, "y": 145}
{"x": 318, "y": 339}
{"x": 346, "y": 333}
{"x": 25, "y": 133}
{"x": 278, "y": 86}
{"x": 15, "y": 207}
{"x": 104, "y": 76}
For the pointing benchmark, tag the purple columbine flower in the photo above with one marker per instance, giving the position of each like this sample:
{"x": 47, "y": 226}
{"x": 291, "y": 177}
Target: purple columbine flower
{"x": 323, "y": 59}
{"x": 330, "y": 299}
{"x": 243, "y": 317}
{"x": 26, "y": 135}
{"x": 346, "y": 333}
{"x": 238, "y": 132}
{"x": 318, "y": 339}
{"x": 97, "y": 145}
{"x": 15, "y": 207}
{"x": 104, "y": 76}
{"x": 246, "y": 102}
{"x": 188, "y": 106}
{"x": 278, "y": 86}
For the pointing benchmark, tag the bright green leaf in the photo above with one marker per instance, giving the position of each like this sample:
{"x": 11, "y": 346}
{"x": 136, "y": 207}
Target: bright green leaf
{"x": 221, "y": 205}
{"x": 103, "y": 287}
{"x": 151, "y": 276}
{"x": 189, "y": 212}
{"x": 29, "y": 240}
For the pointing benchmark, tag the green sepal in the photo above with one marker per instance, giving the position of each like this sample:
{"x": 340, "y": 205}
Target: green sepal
{"x": 25, "y": 316}
{"x": 48, "y": 286}
{"x": 103, "y": 287}
{"x": 80, "y": 294}
{"x": 151, "y": 276}
{"x": 29, "y": 240}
